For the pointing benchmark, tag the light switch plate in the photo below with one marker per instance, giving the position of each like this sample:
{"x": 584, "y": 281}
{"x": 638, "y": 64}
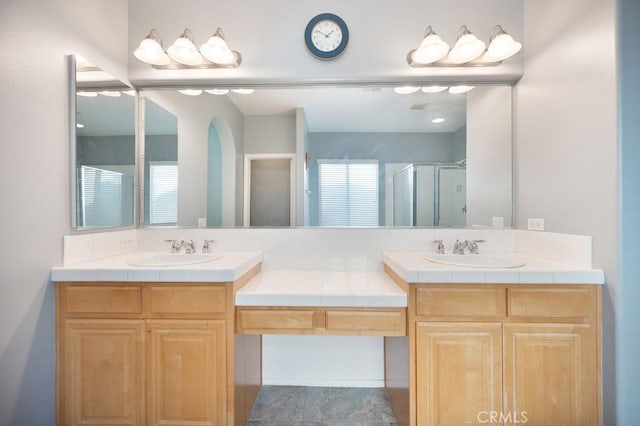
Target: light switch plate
{"x": 535, "y": 224}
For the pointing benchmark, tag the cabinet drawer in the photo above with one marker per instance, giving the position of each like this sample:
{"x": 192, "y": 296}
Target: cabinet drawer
{"x": 277, "y": 321}
{"x": 384, "y": 323}
{"x": 185, "y": 299}
{"x": 461, "y": 303}
{"x": 102, "y": 299}
{"x": 567, "y": 304}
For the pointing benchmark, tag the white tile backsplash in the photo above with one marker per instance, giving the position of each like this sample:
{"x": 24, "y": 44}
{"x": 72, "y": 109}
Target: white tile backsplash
{"x": 85, "y": 247}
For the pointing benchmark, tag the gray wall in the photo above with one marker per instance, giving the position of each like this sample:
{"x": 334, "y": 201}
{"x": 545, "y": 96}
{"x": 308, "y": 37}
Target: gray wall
{"x": 460, "y": 143}
{"x": 34, "y": 131}
{"x": 627, "y": 289}
{"x": 566, "y": 141}
{"x": 384, "y": 147}
{"x": 105, "y": 150}
{"x": 269, "y": 134}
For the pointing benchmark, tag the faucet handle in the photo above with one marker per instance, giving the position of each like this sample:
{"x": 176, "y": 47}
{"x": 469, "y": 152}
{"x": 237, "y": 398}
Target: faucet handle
{"x": 206, "y": 246}
{"x": 176, "y": 245}
{"x": 439, "y": 247}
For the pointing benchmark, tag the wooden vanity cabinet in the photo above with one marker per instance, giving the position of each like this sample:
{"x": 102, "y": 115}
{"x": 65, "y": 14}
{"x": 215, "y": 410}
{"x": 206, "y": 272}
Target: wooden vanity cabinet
{"x": 153, "y": 354}
{"x": 500, "y": 354}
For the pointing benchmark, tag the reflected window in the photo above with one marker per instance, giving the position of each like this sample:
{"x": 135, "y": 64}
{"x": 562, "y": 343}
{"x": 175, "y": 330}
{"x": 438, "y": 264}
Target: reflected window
{"x": 348, "y": 192}
{"x": 105, "y": 197}
{"x": 163, "y": 192}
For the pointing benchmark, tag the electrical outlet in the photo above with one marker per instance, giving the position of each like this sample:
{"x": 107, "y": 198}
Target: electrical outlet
{"x": 497, "y": 221}
{"x": 202, "y": 222}
{"x": 535, "y": 224}
{"x": 126, "y": 243}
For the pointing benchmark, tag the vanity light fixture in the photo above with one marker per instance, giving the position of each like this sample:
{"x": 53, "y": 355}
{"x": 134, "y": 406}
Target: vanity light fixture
{"x": 467, "y": 51}
{"x": 218, "y": 92}
{"x": 434, "y": 89}
{"x": 191, "y": 92}
{"x": 243, "y": 91}
{"x": 183, "y": 54}
{"x": 458, "y": 90}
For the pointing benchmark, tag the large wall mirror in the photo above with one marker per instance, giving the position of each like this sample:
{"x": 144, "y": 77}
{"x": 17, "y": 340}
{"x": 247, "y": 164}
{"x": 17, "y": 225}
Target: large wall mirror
{"x": 102, "y": 148}
{"x": 338, "y": 156}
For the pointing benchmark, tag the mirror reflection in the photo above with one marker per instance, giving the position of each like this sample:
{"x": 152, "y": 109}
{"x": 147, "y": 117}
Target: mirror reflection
{"x": 341, "y": 156}
{"x": 104, "y": 166}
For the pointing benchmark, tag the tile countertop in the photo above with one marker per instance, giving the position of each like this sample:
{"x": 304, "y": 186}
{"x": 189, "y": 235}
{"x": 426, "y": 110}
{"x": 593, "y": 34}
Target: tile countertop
{"x": 414, "y": 268}
{"x": 364, "y": 288}
{"x": 231, "y": 266}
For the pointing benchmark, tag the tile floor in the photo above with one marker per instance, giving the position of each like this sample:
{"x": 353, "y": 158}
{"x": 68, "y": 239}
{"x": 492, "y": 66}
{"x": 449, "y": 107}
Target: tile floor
{"x": 321, "y": 406}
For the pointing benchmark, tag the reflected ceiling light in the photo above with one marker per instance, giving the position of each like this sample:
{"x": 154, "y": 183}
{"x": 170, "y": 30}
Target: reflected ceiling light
{"x": 111, "y": 93}
{"x": 431, "y": 49}
{"x": 218, "y": 92}
{"x": 79, "y": 125}
{"x": 191, "y": 92}
{"x": 243, "y": 91}
{"x": 184, "y": 51}
{"x": 501, "y": 46}
{"x": 129, "y": 92}
{"x": 87, "y": 94}
{"x": 150, "y": 50}
{"x": 405, "y": 90}
{"x": 434, "y": 89}
{"x": 457, "y": 90}
{"x": 182, "y": 54}
{"x": 438, "y": 120}
{"x": 467, "y": 51}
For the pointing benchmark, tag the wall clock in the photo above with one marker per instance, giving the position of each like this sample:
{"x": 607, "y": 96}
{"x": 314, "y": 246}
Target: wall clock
{"x": 326, "y": 36}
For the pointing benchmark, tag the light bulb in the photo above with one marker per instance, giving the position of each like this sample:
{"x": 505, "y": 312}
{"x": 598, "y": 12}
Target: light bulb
{"x": 183, "y": 50}
{"x": 434, "y": 89}
{"x": 457, "y": 90}
{"x": 466, "y": 49}
{"x": 191, "y": 92}
{"x": 217, "y": 51}
{"x": 218, "y": 92}
{"x": 432, "y": 49}
{"x": 150, "y": 50}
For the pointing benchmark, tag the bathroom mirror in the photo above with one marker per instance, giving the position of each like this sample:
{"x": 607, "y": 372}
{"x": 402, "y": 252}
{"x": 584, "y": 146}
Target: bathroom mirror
{"x": 348, "y": 156}
{"x": 102, "y": 148}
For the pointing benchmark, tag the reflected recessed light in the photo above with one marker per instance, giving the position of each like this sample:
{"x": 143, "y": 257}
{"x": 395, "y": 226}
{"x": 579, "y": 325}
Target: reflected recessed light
{"x": 79, "y": 126}
{"x": 111, "y": 93}
{"x": 456, "y": 90}
{"x": 243, "y": 91}
{"x": 87, "y": 94}
{"x": 434, "y": 89}
{"x": 405, "y": 90}
{"x": 191, "y": 92}
{"x": 217, "y": 91}
{"x": 438, "y": 120}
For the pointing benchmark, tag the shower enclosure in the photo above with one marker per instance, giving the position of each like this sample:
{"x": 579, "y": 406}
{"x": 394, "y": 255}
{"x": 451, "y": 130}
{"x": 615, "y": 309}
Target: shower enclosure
{"x": 430, "y": 195}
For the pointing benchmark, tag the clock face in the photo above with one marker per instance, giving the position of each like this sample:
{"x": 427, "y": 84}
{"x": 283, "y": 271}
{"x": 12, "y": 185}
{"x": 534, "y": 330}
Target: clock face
{"x": 326, "y": 36}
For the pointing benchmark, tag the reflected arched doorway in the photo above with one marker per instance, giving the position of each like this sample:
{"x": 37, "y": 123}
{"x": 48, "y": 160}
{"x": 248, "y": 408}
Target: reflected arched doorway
{"x": 221, "y": 174}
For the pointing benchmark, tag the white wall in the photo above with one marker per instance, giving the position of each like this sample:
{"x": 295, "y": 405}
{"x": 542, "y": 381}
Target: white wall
{"x": 36, "y": 35}
{"x": 270, "y": 37}
{"x": 489, "y": 165}
{"x": 565, "y": 132}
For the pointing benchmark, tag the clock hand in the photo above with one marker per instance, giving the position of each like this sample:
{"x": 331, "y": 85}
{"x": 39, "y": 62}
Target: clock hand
{"x": 327, "y": 35}
{"x": 322, "y": 33}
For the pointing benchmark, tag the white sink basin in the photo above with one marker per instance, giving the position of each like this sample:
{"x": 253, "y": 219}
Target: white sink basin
{"x": 475, "y": 260}
{"x": 172, "y": 259}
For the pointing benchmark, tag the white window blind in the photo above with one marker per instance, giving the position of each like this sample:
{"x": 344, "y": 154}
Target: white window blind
{"x": 103, "y": 198}
{"x": 348, "y": 193}
{"x": 163, "y": 192}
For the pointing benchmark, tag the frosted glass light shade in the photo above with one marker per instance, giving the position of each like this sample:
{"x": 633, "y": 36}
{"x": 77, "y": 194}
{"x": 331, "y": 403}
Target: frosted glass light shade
{"x": 434, "y": 89}
{"x": 243, "y": 91}
{"x": 466, "y": 49}
{"x": 218, "y": 92}
{"x": 150, "y": 51}
{"x": 111, "y": 93}
{"x": 184, "y": 52}
{"x": 502, "y": 46}
{"x": 191, "y": 92}
{"x": 405, "y": 90}
{"x": 457, "y": 90}
{"x": 432, "y": 49}
{"x": 87, "y": 94}
{"x": 217, "y": 51}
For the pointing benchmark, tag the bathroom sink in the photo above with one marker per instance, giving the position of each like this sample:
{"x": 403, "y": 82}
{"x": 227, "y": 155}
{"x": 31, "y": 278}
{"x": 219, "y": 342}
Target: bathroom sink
{"x": 173, "y": 259}
{"x": 475, "y": 260}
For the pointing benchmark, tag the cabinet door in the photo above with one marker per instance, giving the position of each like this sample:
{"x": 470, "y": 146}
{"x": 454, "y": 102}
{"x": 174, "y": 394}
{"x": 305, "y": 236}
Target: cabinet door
{"x": 550, "y": 373}
{"x": 459, "y": 372}
{"x": 187, "y": 373}
{"x": 103, "y": 372}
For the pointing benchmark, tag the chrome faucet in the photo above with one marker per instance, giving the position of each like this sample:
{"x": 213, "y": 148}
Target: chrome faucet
{"x": 206, "y": 246}
{"x": 438, "y": 246}
{"x": 459, "y": 246}
{"x": 189, "y": 247}
{"x": 473, "y": 245}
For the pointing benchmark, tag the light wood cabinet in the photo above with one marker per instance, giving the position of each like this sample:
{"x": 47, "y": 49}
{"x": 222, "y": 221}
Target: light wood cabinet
{"x": 498, "y": 354}
{"x": 153, "y": 354}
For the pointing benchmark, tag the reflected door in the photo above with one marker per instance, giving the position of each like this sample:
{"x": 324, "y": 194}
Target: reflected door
{"x": 270, "y": 198}
{"x": 452, "y": 197}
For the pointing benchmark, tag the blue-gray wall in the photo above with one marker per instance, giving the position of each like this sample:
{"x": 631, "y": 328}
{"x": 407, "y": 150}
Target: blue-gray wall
{"x": 628, "y": 288}
{"x": 384, "y": 147}
{"x": 460, "y": 144}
